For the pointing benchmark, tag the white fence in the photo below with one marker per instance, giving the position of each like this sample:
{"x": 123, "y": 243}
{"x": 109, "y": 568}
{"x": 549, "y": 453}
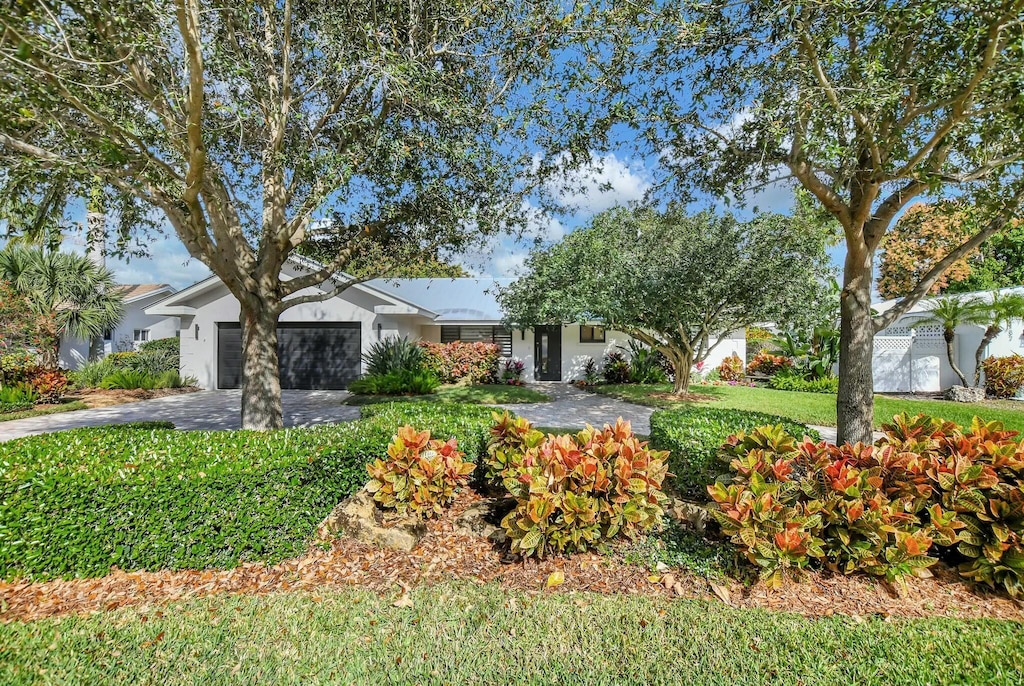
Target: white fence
{"x": 908, "y": 360}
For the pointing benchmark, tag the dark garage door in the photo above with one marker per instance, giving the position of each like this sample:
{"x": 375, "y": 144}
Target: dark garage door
{"x": 312, "y": 356}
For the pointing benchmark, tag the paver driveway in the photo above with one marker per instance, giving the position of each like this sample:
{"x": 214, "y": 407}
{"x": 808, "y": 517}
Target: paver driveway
{"x": 571, "y": 408}
{"x": 202, "y": 410}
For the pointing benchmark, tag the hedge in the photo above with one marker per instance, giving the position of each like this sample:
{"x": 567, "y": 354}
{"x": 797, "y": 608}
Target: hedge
{"x": 693, "y": 436}
{"x": 148, "y": 497}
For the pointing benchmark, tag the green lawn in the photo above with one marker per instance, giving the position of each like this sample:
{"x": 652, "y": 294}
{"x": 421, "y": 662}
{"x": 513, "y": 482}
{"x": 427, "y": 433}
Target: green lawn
{"x": 465, "y": 634}
{"x": 66, "y": 407}
{"x": 482, "y": 394}
{"x": 819, "y": 408}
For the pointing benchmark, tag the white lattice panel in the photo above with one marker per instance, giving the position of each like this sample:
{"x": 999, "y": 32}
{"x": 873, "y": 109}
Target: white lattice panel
{"x": 891, "y": 343}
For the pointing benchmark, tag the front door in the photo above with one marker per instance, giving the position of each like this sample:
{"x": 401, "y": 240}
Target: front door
{"x": 547, "y": 353}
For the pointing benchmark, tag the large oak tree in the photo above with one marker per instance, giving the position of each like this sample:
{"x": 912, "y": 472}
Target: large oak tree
{"x": 869, "y": 105}
{"x": 245, "y": 123}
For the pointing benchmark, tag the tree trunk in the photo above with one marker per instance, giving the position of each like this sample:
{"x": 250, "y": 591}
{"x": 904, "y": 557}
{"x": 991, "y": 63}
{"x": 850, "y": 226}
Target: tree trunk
{"x": 261, "y": 381}
{"x": 855, "y": 403}
{"x": 979, "y": 354}
{"x": 682, "y": 363}
{"x": 950, "y": 336}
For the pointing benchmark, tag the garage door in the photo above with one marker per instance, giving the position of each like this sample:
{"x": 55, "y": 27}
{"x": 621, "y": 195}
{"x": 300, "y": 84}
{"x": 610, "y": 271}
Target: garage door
{"x": 312, "y": 356}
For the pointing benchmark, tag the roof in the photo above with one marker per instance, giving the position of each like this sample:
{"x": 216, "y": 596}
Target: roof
{"x": 468, "y": 299}
{"x": 138, "y": 291}
{"x": 924, "y": 304}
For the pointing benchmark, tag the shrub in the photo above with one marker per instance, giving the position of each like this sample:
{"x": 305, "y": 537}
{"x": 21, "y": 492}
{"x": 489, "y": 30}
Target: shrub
{"x": 16, "y": 365}
{"x": 590, "y": 373}
{"x": 512, "y": 372}
{"x": 616, "y": 367}
{"x": 393, "y": 354}
{"x": 1004, "y": 376}
{"x": 48, "y": 384}
{"x": 17, "y": 398}
{"x": 76, "y": 502}
{"x": 171, "y": 344}
{"x": 694, "y": 435}
{"x": 510, "y": 438}
{"x": 880, "y": 508}
{"x": 575, "y": 493}
{"x": 646, "y": 365}
{"x": 731, "y": 369}
{"x": 767, "y": 364}
{"x": 419, "y": 475}
{"x": 452, "y": 362}
{"x": 792, "y": 382}
{"x": 405, "y": 382}
{"x": 790, "y": 504}
{"x": 92, "y": 373}
{"x": 129, "y": 379}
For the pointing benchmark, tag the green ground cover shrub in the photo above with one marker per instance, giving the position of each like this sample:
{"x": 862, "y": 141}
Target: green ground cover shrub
{"x": 17, "y": 398}
{"x": 146, "y": 497}
{"x": 398, "y": 382}
{"x": 792, "y": 382}
{"x": 694, "y": 435}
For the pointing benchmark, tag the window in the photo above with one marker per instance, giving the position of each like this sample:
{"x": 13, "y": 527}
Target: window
{"x": 108, "y": 335}
{"x": 591, "y": 334}
{"x": 498, "y": 335}
{"x": 141, "y": 335}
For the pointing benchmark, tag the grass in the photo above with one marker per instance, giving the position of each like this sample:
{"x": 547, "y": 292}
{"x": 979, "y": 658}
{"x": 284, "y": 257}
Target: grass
{"x": 465, "y": 634}
{"x": 818, "y": 408}
{"x": 480, "y": 394}
{"x": 25, "y": 414}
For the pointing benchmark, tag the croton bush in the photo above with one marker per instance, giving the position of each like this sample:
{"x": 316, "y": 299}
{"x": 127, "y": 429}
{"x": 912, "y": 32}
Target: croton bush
{"x": 577, "y": 492}
{"x": 766, "y": 364}
{"x": 22, "y": 369}
{"x": 420, "y": 475}
{"x": 1004, "y": 376}
{"x": 731, "y": 368}
{"x": 453, "y": 362}
{"x": 927, "y": 487}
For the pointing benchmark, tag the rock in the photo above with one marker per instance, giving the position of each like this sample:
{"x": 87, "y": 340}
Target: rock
{"x": 483, "y": 519}
{"x": 359, "y": 517}
{"x": 965, "y": 394}
{"x": 689, "y": 514}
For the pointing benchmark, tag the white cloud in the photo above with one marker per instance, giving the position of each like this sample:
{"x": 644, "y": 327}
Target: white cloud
{"x": 602, "y": 183}
{"x": 540, "y": 224}
{"x": 168, "y": 262}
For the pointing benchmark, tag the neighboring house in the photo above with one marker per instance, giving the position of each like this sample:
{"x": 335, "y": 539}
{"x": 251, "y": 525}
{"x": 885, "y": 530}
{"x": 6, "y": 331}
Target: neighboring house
{"x": 321, "y": 344}
{"x": 909, "y": 358}
{"x": 136, "y": 327}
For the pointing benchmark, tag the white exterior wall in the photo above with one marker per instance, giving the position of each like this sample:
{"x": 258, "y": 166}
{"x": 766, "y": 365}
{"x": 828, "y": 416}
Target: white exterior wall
{"x": 575, "y": 353}
{"x": 74, "y": 352}
{"x": 199, "y": 349}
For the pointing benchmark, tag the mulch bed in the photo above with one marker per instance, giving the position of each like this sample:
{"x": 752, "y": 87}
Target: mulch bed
{"x": 103, "y": 397}
{"x": 444, "y": 555}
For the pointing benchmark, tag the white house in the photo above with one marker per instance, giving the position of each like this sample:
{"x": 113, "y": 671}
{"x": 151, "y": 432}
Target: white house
{"x": 136, "y": 327}
{"x": 910, "y": 357}
{"x": 321, "y": 344}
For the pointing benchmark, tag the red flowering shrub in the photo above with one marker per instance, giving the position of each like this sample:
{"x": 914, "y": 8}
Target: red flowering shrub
{"x": 1004, "y": 376}
{"x": 731, "y": 368}
{"x": 767, "y": 364}
{"x": 452, "y": 362}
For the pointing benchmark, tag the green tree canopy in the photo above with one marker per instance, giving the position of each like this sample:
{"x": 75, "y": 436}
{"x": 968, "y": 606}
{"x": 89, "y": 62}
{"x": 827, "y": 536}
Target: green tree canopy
{"x": 676, "y": 282}
{"x": 244, "y": 123}
{"x": 868, "y": 105}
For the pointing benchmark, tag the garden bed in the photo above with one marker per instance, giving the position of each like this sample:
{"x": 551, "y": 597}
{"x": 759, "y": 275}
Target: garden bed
{"x": 104, "y": 397}
{"x": 445, "y": 555}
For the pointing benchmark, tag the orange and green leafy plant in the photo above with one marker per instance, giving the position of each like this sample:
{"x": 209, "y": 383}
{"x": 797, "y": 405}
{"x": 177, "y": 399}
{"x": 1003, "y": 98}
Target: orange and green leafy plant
{"x": 576, "y": 493}
{"x": 731, "y": 368}
{"x": 511, "y": 438}
{"x": 419, "y": 475}
{"x": 1004, "y": 376}
{"x": 766, "y": 363}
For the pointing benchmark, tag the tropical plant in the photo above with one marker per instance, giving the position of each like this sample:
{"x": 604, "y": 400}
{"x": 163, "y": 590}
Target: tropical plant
{"x": 814, "y": 352}
{"x": 645, "y": 364}
{"x": 130, "y": 379}
{"x": 949, "y": 313}
{"x": 511, "y": 438}
{"x": 420, "y": 475}
{"x": 453, "y": 362}
{"x": 616, "y": 367}
{"x": 1004, "y": 376}
{"x": 81, "y": 297}
{"x": 1000, "y": 311}
{"x": 575, "y": 493}
{"x": 512, "y": 372}
{"x": 393, "y": 354}
{"x": 396, "y": 383}
{"x": 590, "y": 372}
{"x": 789, "y": 381}
{"x": 731, "y": 368}
{"x": 17, "y": 398}
{"x": 767, "y": 364}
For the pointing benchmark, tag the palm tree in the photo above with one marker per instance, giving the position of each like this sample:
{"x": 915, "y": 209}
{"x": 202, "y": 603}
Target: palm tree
{"x": 1001, "y": 310}
{"x": 81, "y": 296}
{"x": 951, "y": 312}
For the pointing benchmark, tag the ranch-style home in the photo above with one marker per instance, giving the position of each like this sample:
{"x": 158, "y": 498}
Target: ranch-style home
{"x": 321, "y": 344}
